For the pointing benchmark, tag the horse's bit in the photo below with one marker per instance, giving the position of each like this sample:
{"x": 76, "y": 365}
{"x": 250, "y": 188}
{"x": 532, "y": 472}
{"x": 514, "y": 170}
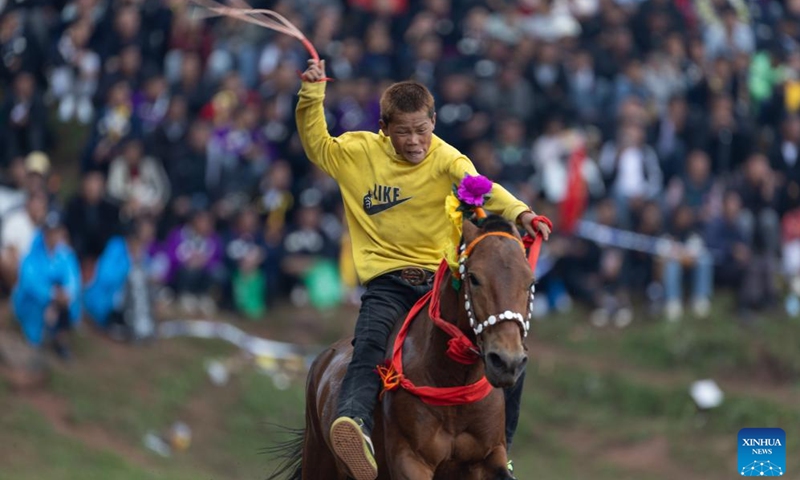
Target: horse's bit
{"x": 508, "y": 315}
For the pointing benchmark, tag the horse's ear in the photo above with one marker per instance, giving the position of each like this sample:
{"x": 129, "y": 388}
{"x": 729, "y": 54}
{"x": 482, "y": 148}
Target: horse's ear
{"x": 470, "y": 230}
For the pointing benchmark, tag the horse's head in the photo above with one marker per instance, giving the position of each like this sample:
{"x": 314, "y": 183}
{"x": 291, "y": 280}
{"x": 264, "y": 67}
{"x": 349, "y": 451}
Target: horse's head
{"x": 497, "y": 291}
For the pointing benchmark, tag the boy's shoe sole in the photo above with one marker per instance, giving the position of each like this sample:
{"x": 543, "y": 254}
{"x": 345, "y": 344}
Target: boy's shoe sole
{"x": 350, "y": 445}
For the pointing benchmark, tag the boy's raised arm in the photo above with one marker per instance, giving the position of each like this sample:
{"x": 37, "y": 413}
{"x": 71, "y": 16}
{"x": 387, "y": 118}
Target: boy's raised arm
{"x": 321, "y": 148}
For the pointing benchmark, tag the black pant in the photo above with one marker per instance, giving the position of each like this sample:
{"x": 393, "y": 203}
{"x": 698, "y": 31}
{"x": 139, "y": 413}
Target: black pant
{"x": 513, "y": 396}
{"x": 388, "y": 299}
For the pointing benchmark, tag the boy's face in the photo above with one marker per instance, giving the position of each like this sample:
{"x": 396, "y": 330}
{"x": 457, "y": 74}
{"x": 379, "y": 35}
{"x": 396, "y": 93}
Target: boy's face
{"x": 411, "y": 134}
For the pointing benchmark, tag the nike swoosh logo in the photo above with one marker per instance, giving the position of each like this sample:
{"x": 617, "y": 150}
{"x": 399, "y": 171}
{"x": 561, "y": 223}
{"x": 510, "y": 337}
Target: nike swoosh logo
{"x": 385, "y": 206}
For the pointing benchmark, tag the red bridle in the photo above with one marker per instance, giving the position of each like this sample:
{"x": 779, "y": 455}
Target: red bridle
{"x": 459, "y": 348}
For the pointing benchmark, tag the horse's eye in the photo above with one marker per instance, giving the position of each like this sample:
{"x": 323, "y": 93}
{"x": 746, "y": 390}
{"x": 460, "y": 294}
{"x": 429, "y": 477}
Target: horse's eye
{"x": 474, "y": 281}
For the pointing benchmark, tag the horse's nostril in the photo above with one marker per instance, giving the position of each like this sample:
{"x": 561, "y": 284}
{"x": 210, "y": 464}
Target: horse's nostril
{"x": 496, "y": 362}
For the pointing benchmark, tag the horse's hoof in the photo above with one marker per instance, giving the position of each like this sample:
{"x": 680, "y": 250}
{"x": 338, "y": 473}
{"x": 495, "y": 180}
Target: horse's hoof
{"x": 350, "y": 445}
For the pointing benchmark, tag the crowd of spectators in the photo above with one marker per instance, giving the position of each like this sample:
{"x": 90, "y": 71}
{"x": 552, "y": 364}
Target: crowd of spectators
{"x": 687, "y": 112}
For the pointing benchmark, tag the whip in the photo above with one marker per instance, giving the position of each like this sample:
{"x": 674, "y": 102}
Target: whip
{"x": 240, "y": 10}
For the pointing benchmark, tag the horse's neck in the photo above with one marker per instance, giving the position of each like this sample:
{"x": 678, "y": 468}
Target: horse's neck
{"x": 439, "y": 369}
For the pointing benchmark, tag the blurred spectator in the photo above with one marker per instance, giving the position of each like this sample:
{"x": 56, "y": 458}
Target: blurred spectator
{"x": 169, "y": 139}
{"x": 631, "y": 83}
{"x": 115, "y": 121}
{"x": 458, "y": 118}
{"x": 75, "y": 71}
{"x": 241, "y": 162}
{"x": 19, "y": 227}
{"x": 728, "y": 35}
{"x": 589, "y": 93}
{"x": 549, "y": 81}
{"x": 509, "y": 93}
{"x": 190, "y": 84}
{"x": 195, "y": 255}
{"x": 672, "y": 136}
{"x": 91, "y": 219}
{"x": 119, "y": 298}
{"x": 631, "y": 170}
{"x": 735, "y": 264}
{"x": 514, "y": 155}
{"x": 244, "y": 256}
{"x": 640, "y": 267}
{"x": 46, "y": 300}
{"x": 125, "y": 21}
{"x": 275, "y": 197}
{"x": 283, "y": 49}
{"x": 692, "y": 258}
{"x": 611, "y": 300}
{"x": 126, "y": 68}
{"x": 19, "y": 49}
{"x": 307, "y": 252}
{"x": 696, "y": 189}
{"x": 784, "y": 161}
{"x": 138, "y": 182}
{"x": 725, "y": 140}
{"x": 186, "y": 170}
{"x": 24, "y": 118}
{"x": 790, "y": 253}
{"x": 25, "y": 176}
{"x": 759, "y": 219}
{"x": 189, "y": 46}
{"x": 151, "y": 103}
{"x": 551, "y": 154}
{"x": 358, "y": 108}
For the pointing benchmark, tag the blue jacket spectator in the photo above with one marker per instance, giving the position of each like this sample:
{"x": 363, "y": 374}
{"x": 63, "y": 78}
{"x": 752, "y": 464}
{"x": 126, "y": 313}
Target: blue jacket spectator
{"x": 46, "y": 299}
{"x": 103, "y": 293}
{"x": 119, "y": 298}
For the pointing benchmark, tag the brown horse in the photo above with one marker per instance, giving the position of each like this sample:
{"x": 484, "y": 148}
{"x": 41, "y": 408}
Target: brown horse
{"x": 415, "y": 440}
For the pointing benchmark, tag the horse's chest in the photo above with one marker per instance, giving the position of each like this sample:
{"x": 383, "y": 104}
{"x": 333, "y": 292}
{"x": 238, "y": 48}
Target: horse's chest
{"x": 468, "y": 447}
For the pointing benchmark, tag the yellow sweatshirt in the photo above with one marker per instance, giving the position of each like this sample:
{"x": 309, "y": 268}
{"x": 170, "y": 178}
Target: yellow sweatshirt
{"x": 395, "y": 209}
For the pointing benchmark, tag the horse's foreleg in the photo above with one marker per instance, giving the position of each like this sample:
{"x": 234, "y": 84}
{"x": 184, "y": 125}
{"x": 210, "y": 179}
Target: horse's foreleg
{"x": 495, "y": 467}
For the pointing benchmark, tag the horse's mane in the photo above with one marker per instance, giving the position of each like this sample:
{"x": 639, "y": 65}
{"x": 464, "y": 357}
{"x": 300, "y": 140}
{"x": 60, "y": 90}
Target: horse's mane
{"x": 496, "y": 223}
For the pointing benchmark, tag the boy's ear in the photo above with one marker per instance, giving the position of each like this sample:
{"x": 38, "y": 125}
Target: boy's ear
{"x": 384, "y": 127}
{"x": 433, "y": 121}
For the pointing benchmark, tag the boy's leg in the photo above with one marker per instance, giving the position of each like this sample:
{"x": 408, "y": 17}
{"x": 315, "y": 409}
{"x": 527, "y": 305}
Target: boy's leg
{"x": 381, "y": 306}
{"x": 513, "y": 397}
{"x": 385, "y": 300}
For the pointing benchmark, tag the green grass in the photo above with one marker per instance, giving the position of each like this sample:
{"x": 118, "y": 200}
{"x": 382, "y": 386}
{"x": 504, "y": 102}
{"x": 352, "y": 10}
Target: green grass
{"x": 130, "y": 400}
{"x": 719, "y": 345}
{"x": 37, "y": 452}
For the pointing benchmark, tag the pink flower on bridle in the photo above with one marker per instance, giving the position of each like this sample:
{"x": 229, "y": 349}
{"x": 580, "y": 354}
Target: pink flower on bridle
{"x": 474, "y": 190}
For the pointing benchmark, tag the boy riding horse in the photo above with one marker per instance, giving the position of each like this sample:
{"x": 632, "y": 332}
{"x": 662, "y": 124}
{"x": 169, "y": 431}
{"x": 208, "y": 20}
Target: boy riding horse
{"x": 394, "y": 184}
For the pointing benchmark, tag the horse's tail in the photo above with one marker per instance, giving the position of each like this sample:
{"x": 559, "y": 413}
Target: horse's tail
{"x": 289, "y": 454}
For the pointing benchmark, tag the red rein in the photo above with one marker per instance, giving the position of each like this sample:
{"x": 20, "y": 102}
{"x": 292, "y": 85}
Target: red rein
{"x": 459, "y": 348}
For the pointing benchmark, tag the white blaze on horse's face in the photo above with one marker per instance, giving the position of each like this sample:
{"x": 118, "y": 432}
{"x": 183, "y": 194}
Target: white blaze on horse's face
{"x": 497, "y": 291}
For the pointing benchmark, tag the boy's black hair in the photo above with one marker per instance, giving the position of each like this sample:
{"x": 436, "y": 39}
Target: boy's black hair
{"x": 406, "y": 97}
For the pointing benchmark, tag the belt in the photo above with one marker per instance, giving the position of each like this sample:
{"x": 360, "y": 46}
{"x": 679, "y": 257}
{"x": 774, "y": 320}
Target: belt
{"x": 413, "y": 276}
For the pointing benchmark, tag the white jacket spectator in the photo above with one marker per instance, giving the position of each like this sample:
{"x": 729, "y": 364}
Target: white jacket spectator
{"x": 137, "y": 181}
{"x": 630, "y": 166}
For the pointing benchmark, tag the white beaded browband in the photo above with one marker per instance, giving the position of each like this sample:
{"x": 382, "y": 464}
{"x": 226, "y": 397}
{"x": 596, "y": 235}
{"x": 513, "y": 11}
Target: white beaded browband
{"x": 508, "y": 315}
